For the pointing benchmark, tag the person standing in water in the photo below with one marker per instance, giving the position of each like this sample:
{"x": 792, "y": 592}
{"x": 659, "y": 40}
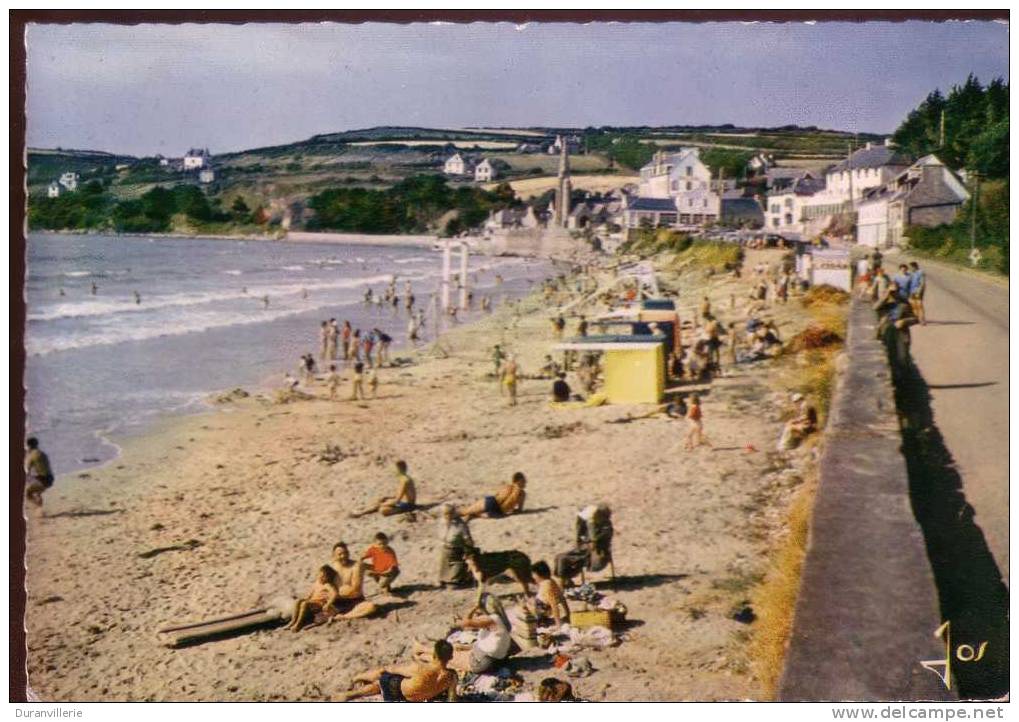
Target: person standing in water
{"x": 137, "y": 298}
{"x": 95, "y": 288}
{"x": 265, "y": 301}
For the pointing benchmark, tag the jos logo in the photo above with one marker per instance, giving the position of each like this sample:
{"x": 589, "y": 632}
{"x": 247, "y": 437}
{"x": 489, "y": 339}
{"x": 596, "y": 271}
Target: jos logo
{"x": 963, "y": 653}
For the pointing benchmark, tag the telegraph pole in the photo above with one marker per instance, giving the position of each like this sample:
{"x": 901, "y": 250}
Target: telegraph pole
{"x": 973, "y": 213}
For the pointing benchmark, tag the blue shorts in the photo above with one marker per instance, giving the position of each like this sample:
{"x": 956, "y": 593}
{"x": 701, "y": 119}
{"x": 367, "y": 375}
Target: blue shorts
{"x": 404, "y": 506}
{"x": 492, "y": 507}
{"x": 390, "y": 686}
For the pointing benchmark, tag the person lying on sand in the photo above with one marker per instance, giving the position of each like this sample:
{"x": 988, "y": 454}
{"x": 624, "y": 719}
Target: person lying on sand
{"x": 493, "y": 643}
{"x": 405, "y": 499}
{"x": 350, "y": 602}
{"x": 414, "y": 682}
{"x": 508, "y": 500}
{"x": 317, "y": 607}
{"x": 383, "y": 565}
{"x": 485, "y": 566}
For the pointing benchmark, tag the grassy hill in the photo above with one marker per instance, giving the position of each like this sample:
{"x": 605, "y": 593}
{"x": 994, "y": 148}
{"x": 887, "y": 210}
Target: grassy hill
{"x": 380, "y": 158}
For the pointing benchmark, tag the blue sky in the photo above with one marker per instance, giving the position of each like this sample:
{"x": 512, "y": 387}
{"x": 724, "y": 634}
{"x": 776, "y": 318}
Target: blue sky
{"x": 164, "y": 88}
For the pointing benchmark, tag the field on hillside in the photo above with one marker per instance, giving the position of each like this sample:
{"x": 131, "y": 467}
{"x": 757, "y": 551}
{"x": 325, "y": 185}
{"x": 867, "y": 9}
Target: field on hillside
{"x": 531, "y": 187}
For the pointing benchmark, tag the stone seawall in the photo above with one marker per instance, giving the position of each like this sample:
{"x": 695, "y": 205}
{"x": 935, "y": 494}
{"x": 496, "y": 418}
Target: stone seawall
{"x": 868, "y": 607}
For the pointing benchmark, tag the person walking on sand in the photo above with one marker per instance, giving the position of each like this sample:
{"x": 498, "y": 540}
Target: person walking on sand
{"x": 355, "y": 345}
{"x": 369, "y": 344}
{"x": 383, "y": 565}
{"x": 510, "y": 372}
{"x": 358, "y": 386}
{"x": 414, "y": 682}
{"x": 497, "y": 358}
{"x": 37, "y": 466}
{"x": 404, "y": 501}
{"x": 373, "y": 381}
{"x": 695, "y": 432}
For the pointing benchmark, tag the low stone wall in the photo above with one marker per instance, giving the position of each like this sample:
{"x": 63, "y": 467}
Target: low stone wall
{"x": 867, "y": 608}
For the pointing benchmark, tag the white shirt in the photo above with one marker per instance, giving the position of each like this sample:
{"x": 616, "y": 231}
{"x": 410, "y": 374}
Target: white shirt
{"x": 494, "y": 643}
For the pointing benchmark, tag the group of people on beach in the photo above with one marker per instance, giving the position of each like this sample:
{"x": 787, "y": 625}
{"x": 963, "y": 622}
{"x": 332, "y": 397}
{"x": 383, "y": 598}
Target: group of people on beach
{"x": 480, "y": 640}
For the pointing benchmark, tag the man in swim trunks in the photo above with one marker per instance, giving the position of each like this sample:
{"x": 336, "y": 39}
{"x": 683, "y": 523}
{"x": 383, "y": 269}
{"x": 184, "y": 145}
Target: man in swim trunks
{"x": 414, "y": 682}
{"x": 350, "y": 602}
{"x": 508, "y": 500}
{"x": 404, "y": 501}
{"x": 37, "y": 466}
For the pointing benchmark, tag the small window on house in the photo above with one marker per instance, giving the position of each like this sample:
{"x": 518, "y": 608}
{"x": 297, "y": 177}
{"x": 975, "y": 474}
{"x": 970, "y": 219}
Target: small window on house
{"x": 705, "y": 202}
{"x": 689, "y": 185}
{"x": 689, "y": 170}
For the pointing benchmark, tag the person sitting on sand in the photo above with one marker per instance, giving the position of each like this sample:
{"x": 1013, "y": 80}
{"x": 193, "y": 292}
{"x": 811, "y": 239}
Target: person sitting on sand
{"x": 383, "y": 564}
{"x": 493, "y": 643}
{"x": 290, "y": 382}
{"x": 317, "y": 608}
{"x": 508, "y": 500}
{"x": 350, "y": 602}
{"x": 416, "y": 682}
{"x": 551, "y": 369}
{"x": 405, "y": 499}
{"x": 455, "y": 535}
{"x": 800, "y": 426}
{"x": 560, "y": 389}
{"x": 549, "y": 602}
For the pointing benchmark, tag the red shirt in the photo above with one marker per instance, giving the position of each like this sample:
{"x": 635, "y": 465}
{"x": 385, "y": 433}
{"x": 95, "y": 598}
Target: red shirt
{"x": 382, "y": 559}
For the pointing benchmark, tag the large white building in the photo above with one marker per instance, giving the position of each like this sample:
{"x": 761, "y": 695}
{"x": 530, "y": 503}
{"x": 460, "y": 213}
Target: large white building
{"x": 927, "y": 193}
{"x": 685, "y": 179}
{"x": 783, "y": 211}
{"x": 846, "y": 182}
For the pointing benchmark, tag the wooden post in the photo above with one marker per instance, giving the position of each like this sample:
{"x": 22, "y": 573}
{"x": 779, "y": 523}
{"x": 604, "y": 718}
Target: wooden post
{"x": 446, "y": 259}
{"x": 463, "y": 276}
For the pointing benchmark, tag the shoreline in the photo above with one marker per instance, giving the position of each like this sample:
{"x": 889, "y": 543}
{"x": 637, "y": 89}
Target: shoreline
{"x": 240, "y": 506}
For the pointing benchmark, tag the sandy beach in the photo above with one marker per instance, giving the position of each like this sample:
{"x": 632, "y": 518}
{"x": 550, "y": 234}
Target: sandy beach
{"x": 244, "y": 495}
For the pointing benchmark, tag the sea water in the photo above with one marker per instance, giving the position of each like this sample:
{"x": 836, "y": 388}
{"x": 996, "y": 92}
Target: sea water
{"x": 102, "y": 365}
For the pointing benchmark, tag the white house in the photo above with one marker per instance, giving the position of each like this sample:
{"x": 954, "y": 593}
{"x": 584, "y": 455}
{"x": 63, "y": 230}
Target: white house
{"x": 484, "y": 171}
{"x": 53, "y": 190}
{"x": 760, "y": 163}
{"x": 206, "y": 175}
{"x": 785, "y": 204}
{"x": 687, "y": 180}
{"x": 196, "y": 158}
{"x": 69, "y": 181}
{"x": 164, "y": 161}
{"x": 457, "y": 164}
{"x": 572, "y": 144}
{"x": 848, "y": 181}
{"x": 927, "y": 193}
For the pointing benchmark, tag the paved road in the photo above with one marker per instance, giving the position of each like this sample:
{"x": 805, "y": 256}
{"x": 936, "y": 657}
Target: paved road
{"x": 963, "y": 356}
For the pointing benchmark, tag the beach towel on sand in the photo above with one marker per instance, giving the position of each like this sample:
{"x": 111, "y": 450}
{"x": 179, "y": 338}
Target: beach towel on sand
{"x": 592, "y": 400}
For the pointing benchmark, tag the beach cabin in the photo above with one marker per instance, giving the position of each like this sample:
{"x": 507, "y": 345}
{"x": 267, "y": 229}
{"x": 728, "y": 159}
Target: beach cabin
{"x": 633, "y": 366}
